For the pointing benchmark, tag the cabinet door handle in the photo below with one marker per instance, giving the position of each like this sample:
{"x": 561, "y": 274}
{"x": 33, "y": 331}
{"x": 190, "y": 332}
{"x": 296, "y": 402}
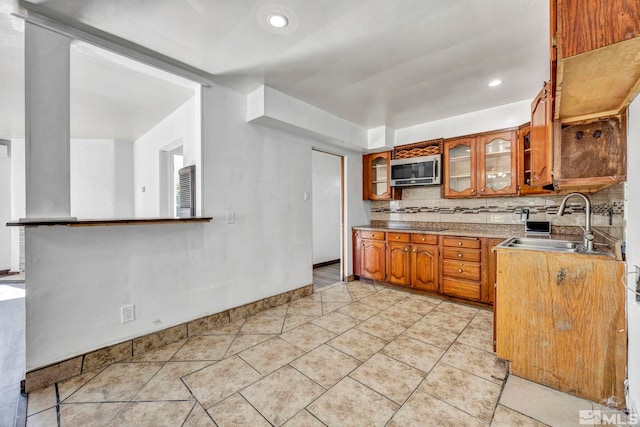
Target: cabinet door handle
{"x": 414, "y": 251}
{"x": 423, "y": 239}
{"x": 482, "y": 190}
{"x": 459, "y": 243}
{"x": 473, "y": 191}
{"x": 459, "y": 255}
{"x": 406, "y": 249}
{"x": 397, "y": 237}
{"x": 459, "y": 270}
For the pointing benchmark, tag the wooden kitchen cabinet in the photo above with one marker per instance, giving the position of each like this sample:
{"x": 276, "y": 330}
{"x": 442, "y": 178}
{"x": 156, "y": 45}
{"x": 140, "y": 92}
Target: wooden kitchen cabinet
{"x": 597, "y": 48}
{"x": 372, "y": 255}
{"x": 461, "y": 267}
{"x": 356, "y": 242}
{"x": 412, "y": 260}
{"x": 560, "y": 321}
{"x": 376, "y": 176}
{"x": 484, "y": 165}
{"x": 538, "y": 149}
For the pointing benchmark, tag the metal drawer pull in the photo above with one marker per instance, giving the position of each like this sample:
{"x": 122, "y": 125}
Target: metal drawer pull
{"x": 459, "y": 243}
{"x": 459, "y": 270}
{"x": 423, "y": 239}
{"x": 459, "y": 255}
{"x": 397, "y": 237}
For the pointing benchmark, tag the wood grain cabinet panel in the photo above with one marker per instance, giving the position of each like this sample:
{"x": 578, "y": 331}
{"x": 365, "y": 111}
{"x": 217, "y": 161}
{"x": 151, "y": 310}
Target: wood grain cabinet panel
{"x": 398, "y": 262}
{"x": 424, "y": 267}
{"x": 560, "y": 321}
{"x": 372, "y": 263}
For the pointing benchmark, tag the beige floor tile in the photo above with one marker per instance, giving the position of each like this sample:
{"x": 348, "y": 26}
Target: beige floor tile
{"x": 420, "y": 306}
{"x": 220, "y": 380}
{"x": 359, "y": 311}
{"x": 423, "y": 409}
{"x": 117, "y": 382}
{"x": 478, "y": 362}
{"x": 68, "y": 387}
{"x": 263, "y": 325}
{"x": 315, "y": 297}
{"x": 88, "y": 414}
{"x": 337, "y": 286}
{"x": 198, "y": 418}
{"x": 381, "y": 327}
{"x": 445, "y": 320}
{"x": 161, "y": 354}
{"x": 236, "y": 411}
{"x": 476, "y": 337}
{"x": 303, "y": 419}
{"x": 282, "y": 394}
{"x": 271, "y": 355}
{"x": 429, "y": 298}
{"x": 48, "y": 418}
{"x": 357, "y": 344}
{"x": 331, "y": 295}
{"x": 505, "y": 417}
{"x": 326, "y": 365}
{"x": 166, "y": 384}
{"x": 41, "y": 399}
{"x": 305, "y": 309}
{"x": 393, "y": 294}
{"x": 308, "y": 336}
{"x": 357, "y": 285}
{"x": 431, "y": 334}
{"x": 413, "y": 352}
{"x": 336, "y": 322}
{"x": 350, "y": 403}
{"x": 245, "y": 341}
{"x": 358, "y": 295}
{"x": 293, "y": 321}
{"x": 400, "y": 315}
{"x": 542, "y": 403}
{"x": 460, "y": 310}
{"x": 228, "y": 329}
{"x": 153, "y": 414}
{"x": 463, "y": 390}
{"x": 392, "y": 379}
{"x": 204, "y": 347}
{"x": 328, "y": 307}
{"x": 377, "y": 301}
{"x": 483, "y": 320}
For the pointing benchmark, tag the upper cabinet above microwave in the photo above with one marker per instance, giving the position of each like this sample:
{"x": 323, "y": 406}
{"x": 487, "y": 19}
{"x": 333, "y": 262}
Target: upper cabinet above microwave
{"x": 484, "y": 165}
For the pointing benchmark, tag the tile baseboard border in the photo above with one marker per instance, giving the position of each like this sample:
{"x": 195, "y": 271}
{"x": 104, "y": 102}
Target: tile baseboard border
{"x": 98, "y": 359}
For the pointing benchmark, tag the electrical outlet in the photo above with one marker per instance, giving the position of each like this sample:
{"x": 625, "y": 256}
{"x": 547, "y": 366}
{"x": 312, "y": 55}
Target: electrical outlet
{"x": 128, "y": 313}
{"x": 231, "y": 217}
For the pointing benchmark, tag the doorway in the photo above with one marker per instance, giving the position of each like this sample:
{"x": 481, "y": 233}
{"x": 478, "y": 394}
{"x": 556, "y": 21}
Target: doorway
{"x": 327, "y": 200}
{"x": 171, "y": 160}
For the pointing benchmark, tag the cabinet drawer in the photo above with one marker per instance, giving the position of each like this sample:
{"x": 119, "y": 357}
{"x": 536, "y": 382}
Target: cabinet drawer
{"x": 461, "y": 289}
{"x": 398, "y": 237}
{"x": 371, "y": 235}
{"x": 461, "y": 242}
{"x": 426, "y": 239}
{"x": 469, "y": 255}
{"x": 461, "y": 270}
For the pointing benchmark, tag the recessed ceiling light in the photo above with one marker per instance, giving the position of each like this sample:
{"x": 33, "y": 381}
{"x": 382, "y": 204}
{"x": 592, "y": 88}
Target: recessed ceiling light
{"x": 278, "y": 20}
{"x": 495, "y": 83}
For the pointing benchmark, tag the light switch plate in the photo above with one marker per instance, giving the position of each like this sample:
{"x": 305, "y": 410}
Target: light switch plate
{"x": 230, "y": 217}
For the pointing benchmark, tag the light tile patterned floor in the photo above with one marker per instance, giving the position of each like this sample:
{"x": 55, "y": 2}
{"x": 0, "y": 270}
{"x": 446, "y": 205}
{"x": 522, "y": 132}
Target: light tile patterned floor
{"x": 353, "y": 354}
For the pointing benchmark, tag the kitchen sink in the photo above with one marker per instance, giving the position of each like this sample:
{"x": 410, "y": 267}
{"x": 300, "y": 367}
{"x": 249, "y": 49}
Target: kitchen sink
{"x": 543, "y": 245}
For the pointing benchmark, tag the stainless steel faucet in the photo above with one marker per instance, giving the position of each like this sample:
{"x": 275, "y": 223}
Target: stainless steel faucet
{"x": 587, "y": 236}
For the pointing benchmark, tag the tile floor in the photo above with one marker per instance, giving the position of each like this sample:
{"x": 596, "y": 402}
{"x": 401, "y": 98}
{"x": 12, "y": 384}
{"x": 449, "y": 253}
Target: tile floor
{"x": 353, "y": 354}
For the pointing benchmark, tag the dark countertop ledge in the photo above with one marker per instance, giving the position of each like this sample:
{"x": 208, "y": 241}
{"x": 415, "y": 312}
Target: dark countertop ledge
{"x": 70, "y": 222}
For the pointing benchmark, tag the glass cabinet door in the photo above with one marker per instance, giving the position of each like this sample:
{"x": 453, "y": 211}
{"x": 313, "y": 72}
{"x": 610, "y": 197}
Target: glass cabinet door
{"x": 497, "y": 162}
{"x": 460, "y": 178}
{"x": 379, "y": 177}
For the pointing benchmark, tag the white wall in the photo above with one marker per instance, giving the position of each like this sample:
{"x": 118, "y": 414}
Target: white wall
{"x": 5, "y": 208}
{"x": 325, "y": 196}
{"x": 101, "y": 179}
{"x": 504, "y": 116}
{"x": 631, "y": 209}
{"x": 79, "y": 277}
{"x": 182, "y": 124}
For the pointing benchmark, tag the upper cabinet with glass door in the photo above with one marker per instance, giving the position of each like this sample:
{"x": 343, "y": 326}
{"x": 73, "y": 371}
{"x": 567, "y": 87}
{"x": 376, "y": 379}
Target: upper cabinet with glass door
{"x": 460, "y": 170}
{"x": 376, "y": 177}
{"x": 481, "y": 166}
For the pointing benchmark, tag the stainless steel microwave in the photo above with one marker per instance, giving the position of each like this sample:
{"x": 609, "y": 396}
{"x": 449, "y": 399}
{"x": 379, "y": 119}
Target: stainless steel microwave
{"x": 423, "y": 170}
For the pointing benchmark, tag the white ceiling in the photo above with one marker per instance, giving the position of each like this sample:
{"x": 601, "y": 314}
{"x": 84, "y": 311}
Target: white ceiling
{"x": 373, "y": 62}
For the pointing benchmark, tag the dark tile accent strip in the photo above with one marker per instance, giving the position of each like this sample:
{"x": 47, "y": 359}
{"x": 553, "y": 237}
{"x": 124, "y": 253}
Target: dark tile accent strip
{"x": 158, "y": 339}
{"x": 53, "y": 373}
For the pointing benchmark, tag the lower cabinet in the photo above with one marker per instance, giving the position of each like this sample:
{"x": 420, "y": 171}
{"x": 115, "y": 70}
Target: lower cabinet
{"x": 412, "y": 260}
{"x": 461, "y": 267}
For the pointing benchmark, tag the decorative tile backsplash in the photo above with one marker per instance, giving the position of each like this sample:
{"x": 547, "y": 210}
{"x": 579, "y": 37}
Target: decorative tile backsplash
{"x": 425, "y": 204}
